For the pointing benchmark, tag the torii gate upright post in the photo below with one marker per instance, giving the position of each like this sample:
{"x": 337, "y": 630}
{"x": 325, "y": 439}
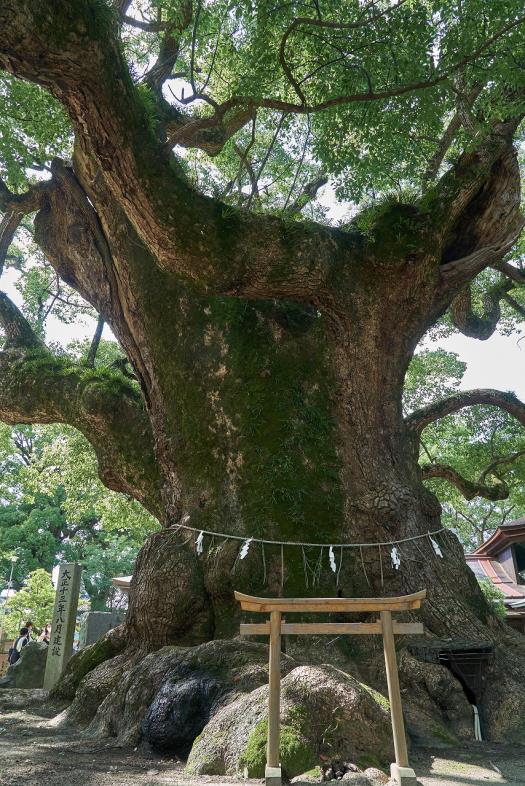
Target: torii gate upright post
{"x": 276, "y": 626}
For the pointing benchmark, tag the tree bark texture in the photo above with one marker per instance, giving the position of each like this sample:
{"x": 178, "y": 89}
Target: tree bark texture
{"x": 270, "y": 355}
{"x": 272, "y": 418}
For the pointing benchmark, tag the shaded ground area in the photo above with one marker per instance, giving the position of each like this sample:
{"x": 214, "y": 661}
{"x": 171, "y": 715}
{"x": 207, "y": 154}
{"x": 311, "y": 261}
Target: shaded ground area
{"x": 33, "y": 752}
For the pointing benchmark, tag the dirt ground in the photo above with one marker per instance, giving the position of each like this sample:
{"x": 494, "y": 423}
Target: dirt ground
{"x": 33, "y": 752}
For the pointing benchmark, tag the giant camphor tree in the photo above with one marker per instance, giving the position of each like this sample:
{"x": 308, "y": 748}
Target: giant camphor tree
{"x": 183, "y": 145}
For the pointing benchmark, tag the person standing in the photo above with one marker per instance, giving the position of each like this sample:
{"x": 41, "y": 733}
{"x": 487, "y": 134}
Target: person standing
{"x": 45, "y": 635}
{"x": 18, "y": 645}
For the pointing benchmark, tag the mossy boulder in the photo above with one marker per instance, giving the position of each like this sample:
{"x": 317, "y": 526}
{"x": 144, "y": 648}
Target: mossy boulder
{"x": 376, "y": 776}
{"x": 29, "y": 670}
{"x": 296, "y": 752}
{"x": 436, "y": 708}
{"x": 324, "y": 712}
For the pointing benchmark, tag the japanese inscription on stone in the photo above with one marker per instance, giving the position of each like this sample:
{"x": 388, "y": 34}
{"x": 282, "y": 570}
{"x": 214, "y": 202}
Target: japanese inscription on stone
{"x": 63, "y": 623}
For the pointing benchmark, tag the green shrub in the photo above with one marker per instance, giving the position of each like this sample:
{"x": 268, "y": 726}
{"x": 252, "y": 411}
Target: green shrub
{"x": 494, "y": 597}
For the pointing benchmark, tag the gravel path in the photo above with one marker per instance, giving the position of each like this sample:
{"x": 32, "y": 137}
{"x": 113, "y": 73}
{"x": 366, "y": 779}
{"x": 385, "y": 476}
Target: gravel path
{"x": 32, "y": 752}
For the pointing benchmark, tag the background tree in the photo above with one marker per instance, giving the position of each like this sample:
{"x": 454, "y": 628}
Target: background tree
{"x": 474, "y": 459}
{"x": 263, "y": 393}
{"x": 55, "y": 509}
{"x": 34, "y": 602}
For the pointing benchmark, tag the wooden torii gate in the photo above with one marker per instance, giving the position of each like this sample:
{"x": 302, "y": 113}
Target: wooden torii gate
{"x": 276, "y": 626}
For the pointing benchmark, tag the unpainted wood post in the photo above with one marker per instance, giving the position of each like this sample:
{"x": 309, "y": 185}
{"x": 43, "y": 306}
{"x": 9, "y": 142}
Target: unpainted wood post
{"x": 402, "y": 774}
{"x": 394, "y": 693}
{"x": 274, "y": 700}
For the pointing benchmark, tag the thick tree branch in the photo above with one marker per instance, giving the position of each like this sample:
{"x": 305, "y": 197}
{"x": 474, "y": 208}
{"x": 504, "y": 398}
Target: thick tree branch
{"x": 169, "y": 48}
{"x": 146, "y": 26}
{"x": 468, "y": 488}
{"x": 421, "y": 418}
{"x": 472, "y": 264}
{"x": 95, "y": 342}
{"x": 8, "y": 226}
{"x": 476, "y": 206}
{"x": 209, "y": 134}
{"x": 476, "y": 210}
{"x": 15, "y": 207}
{"x": 18, "y": 331}
{"x": 24, "y": 203}
{"x": 514, "y": 273}
{"x": 308, "y": 193}
{"x": 448, "y": 136}
{"x": 518, "y": 308}
{"x": 37, "y": 387}
{"x": 470, "y": 323}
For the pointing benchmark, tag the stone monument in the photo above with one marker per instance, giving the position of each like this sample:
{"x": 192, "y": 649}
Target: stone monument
{"x": 95, "y": 624}
{"x": 63, "y": 623}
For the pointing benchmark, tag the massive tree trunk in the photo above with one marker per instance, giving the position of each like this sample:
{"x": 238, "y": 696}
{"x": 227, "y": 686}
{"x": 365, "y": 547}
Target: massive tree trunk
{"x": 270, "y": 356}
{"x": 273, "y": 418}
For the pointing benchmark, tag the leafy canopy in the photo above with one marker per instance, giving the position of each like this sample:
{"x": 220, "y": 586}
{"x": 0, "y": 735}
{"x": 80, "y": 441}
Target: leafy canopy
{"x": 54, "y": 508}
{"x": 35, "y": 602}
{"x": 361, "y": 90}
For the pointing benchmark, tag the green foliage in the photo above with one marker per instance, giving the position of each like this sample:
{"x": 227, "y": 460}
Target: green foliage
{"x": 432, "y": 374}
{"x": 35, "y": 602}
{"x": 470, "y": 441}
{"x": 34, "y": 130}
{"x": 56, "y": 509}
{"x": 236, "y": 49}
{"x": 494, "y": 597}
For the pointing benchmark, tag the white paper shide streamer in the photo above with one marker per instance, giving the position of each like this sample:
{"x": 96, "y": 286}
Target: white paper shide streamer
{"x": 245, "y": 548}
{"x": 312, "y": 568}
{"x": 200, "y": 543}
{"x": 436, "y": 547}
{"x": 396, "y": 558}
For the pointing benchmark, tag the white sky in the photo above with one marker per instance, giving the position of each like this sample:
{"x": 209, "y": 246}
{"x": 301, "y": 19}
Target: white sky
{"x": 497, "y": 363}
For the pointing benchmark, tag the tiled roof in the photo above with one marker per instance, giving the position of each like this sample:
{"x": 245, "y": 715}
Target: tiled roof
{"x": 487, "y": 568}
{"x": 513, "y": 532}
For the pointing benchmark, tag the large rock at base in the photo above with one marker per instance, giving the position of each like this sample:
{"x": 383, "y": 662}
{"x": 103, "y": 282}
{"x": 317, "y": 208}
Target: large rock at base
{"x": 437, "y": 712}
{"x": 28, "y": 671}
{"x": 179, "y": 713}
{"x": 324, "y": 712}
{"x": 218, "y": 691}
{"x": 147, "y": 688}
{"x": 503, "y": 703}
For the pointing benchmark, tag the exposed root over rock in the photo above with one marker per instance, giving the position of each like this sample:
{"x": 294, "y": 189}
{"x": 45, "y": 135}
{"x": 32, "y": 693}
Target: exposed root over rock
{"x": 209, "y": 703}
{"x": 86, "y": 660}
